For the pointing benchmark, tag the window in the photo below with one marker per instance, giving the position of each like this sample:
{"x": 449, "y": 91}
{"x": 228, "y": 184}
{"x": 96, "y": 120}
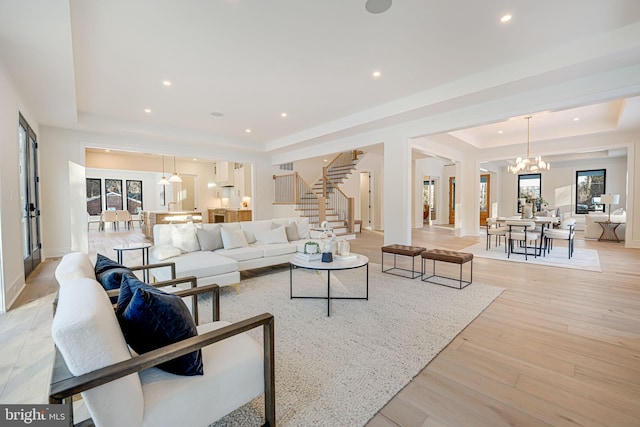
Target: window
{"x": 134, "y": 196}
{"x": 94, "y": 196}
{"x": 590, "y": 185}
{"x": 113, "y": 193}
{"x": 529, "y": 187}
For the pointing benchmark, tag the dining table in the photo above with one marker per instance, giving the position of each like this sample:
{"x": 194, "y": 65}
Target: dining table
{"x": 543, "y": 221}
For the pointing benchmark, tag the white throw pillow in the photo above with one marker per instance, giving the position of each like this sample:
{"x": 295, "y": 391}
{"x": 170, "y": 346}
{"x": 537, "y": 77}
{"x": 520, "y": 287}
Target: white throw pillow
{"x": 210, "y": 240}
{"x": 184, "y": 237}
{"x": 303, "y": 228}
{"x": 162, "y": 252}
{"x": 292, "y": 232}
{"x": 233, "y": 239}
{"x": 277, "y": 235}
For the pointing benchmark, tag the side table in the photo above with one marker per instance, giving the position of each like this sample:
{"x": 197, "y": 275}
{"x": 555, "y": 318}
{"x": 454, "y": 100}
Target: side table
{"x": 144, "y": 247}
{"x": 608, "y": 231}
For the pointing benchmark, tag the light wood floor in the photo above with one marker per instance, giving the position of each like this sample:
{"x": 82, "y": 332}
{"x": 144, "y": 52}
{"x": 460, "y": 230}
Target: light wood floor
{"x": 559, "y": 347}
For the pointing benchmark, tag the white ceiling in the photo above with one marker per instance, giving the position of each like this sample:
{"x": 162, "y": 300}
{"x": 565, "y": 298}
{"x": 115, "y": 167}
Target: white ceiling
{"x": 96, "y": 65}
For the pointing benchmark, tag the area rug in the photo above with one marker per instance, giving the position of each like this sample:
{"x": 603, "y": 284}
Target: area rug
{"x": 341, "y": 370}
{"x": 582, "y": 259}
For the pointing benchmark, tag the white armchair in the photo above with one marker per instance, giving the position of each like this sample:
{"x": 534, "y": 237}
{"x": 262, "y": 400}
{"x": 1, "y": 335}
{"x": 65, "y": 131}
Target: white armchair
{"x": 124, "y": 390}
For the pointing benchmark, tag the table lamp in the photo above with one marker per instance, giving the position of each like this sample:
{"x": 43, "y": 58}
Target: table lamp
{"x": 610, "y": 199}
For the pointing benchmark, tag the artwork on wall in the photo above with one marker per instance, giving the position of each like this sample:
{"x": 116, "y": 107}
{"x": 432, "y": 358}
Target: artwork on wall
{"x": 94, "y": 196}
{"x": 113, "y": 193}
{"x": 162, "y": 195}
{"x": 134, "y": 196}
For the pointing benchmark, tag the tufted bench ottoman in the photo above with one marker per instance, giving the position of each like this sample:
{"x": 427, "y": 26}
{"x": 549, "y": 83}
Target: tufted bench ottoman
{"x": 403, "y": 250}
{"x": 452, "y": 257}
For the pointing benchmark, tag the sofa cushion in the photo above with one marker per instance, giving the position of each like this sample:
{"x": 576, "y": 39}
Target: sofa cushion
{"x": 184, "y": 237}
{"x": 242, "y": 254}
{"x": 151, "y": 319}
{"x": 278, "y": 249}
{"x": 199, "y": 264}
{"x": 304, "y": 229}
{"x": 234, "y": 239}
{"x": 250, "y": 228}
{"x": 73, "y": 266}
{"x": 210, "y": 239}
{"x": 268, "y": 237}
{"x": 292, "y": 232}
{"x": 86, "y": 332}
{"x": 162, "y": 252}
{"x": 233, "y": 372}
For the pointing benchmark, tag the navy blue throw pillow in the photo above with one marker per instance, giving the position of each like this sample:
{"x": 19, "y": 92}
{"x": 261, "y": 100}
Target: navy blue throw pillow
{"x": 151, "y": 318}
{"x": 103, "y": 264}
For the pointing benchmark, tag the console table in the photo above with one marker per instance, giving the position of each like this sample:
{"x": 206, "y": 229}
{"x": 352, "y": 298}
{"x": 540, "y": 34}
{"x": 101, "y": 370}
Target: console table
{"x": 608, "y": 231}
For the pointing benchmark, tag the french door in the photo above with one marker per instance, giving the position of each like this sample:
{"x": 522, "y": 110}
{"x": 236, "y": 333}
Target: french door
{"x": 29, "y": 200}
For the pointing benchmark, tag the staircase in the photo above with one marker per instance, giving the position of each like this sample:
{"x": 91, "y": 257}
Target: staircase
{"x": 322, "y": 201}
{"x": 327, "y": 188}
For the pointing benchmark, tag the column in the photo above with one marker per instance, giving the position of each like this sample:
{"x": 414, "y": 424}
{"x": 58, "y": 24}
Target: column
{"x": 397, "y": 191}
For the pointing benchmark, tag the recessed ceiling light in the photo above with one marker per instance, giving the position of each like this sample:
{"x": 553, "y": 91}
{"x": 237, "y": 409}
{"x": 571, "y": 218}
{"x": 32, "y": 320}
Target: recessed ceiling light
{"x": 166, "y": 83}
{"x": 107, "y": 151}
{"x": 506, "y": 18}
{"x": 195, "y": 160}
{"x": 325, "y": 160}
{"x": 376, "y": 74}
{"x": 247, "y": 130}
{"x": 217, "y": 114}
{"x": 146, "y": 110}
{"x": 500, "y": 132}
{"x": 283, "y": 114}
{"x": 577, "y": 119}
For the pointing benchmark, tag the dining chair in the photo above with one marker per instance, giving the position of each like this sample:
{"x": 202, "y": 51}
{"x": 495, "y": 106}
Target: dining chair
{"x": 566, "y": 231}
{"x": 494, "y": 229}
{"x": 125, "y": 217}
{"x": 109, "y": 216}
{"x": 524, "y": 233}
{"x": 94, "y": 219}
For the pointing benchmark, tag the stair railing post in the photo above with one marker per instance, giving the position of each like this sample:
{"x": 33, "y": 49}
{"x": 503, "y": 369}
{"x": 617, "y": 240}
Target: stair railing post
{"x": 322, "y": 209}
{"x": 350, "y": 213}
{"x": 324, "y": 182}
{"x": 296, "y": 188}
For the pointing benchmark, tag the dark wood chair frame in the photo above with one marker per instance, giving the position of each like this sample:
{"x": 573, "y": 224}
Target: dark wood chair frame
{"x": 65, "y": 385}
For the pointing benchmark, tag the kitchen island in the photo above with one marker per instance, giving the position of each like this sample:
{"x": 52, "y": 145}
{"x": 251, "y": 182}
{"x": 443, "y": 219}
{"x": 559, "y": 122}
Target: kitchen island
{"x": 152, "y": 218}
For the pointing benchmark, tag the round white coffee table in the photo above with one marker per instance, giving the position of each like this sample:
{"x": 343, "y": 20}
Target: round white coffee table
{"x": 348, "y": 264}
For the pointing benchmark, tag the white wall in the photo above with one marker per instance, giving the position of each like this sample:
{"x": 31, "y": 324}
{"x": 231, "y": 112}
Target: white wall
{"x": 60, "y": 146}
{"x": 558, "y": 184}
{"x": 12, "y": 276}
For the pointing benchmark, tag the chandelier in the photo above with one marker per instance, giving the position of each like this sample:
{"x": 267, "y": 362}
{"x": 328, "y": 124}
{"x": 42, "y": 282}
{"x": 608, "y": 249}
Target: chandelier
{"x": 529, "y": 164}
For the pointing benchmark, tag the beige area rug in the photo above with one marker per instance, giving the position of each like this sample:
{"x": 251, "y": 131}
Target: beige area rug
{"x": 341, "y": 370}
{"x": 582, "y": 259}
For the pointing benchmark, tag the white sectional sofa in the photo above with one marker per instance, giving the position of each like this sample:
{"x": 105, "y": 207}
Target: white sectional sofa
{"x": 216, "y": 253}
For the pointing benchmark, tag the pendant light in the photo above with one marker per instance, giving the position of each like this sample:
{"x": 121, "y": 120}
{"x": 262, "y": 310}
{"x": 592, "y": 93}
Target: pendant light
{"x": 529, "y": 164}
{"x": 164, "y": 180}
{"x": 175, "y": 177}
